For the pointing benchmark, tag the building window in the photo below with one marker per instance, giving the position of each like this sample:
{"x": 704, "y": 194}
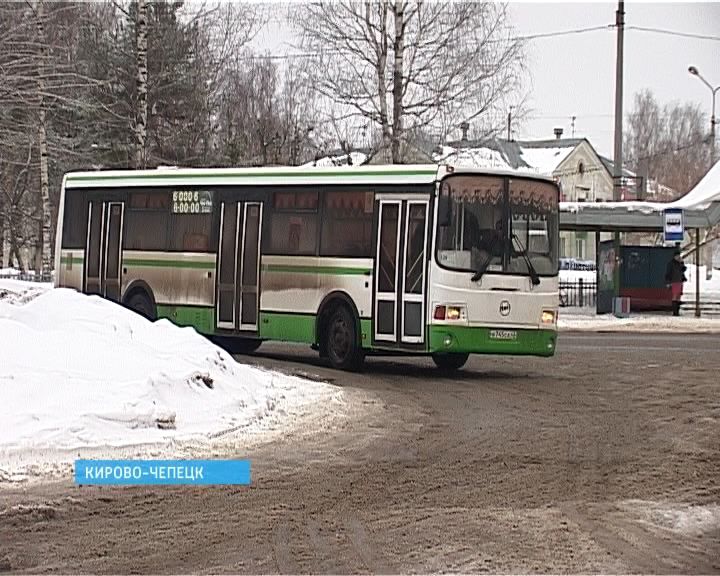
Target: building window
{"x": 347, "y": 224}
{"x": 581, "y": 168}
{"x": 580, "y": 249}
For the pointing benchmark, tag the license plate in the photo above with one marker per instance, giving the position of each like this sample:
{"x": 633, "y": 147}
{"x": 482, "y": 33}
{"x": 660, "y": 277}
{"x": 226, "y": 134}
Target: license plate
{"x": 503, "y": 334}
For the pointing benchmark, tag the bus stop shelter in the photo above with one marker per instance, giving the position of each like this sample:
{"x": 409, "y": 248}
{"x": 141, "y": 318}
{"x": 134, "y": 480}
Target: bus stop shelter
{"x": 700, "y": 208}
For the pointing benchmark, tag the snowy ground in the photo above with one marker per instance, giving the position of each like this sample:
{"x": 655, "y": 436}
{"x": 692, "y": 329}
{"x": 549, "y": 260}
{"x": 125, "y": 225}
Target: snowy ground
{"x": 586, "y": 320}
{"x": 81, "y": 376}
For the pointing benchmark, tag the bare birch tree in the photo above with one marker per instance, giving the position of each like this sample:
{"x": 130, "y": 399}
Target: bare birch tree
{"x": 140, "y": 128}
{"x": 43, "y": 144}
{"x": 406, "y": 65}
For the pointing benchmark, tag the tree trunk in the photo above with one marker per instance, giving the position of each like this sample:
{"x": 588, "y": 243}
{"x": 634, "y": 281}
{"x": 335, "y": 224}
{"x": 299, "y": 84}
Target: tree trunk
{"x": 398, "y": 49}
{"x": 381, "y": 49}
{"x": 15, "y": 250}
{"x": 2, "y": 235}
{"x": 141, "y": 85}
{"x": 46, "y": 232}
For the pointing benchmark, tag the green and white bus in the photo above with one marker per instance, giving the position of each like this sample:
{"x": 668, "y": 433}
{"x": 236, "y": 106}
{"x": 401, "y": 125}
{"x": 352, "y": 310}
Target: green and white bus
{"x": 412, "y": 259}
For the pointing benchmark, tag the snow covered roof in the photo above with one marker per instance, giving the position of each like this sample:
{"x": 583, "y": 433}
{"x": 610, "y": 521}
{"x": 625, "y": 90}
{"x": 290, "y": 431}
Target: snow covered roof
{"x": 537, "y": 157}
{"x": 352, "y": 159}
{"x": 704, "y": 193}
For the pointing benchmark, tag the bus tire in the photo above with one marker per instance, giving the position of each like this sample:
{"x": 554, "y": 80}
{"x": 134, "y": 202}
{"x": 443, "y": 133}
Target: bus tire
{"x": 341, "y": 341}
{"x": 242, "y": 345}
{"x": 451, "y": 361}
{"x": 140, "y": 303}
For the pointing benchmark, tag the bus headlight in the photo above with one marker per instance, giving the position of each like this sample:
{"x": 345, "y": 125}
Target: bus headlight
{"x": 548, "y": 317}
{"x": 450, "y": 312}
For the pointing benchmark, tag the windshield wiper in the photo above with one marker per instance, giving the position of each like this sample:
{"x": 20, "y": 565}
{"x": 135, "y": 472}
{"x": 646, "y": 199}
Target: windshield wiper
{"x": 534, "y": 276}
{"x": 482, "y": 268}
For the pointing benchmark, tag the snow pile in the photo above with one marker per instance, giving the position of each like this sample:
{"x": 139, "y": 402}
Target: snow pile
{"x": 708, "y": 288}
{"x": 19, "y": 292}
{"x": 79, "y": 372}
{"x": 585, "y": 320}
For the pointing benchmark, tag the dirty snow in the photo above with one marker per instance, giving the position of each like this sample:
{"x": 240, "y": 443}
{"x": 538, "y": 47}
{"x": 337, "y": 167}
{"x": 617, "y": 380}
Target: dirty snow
{"x": 680, "y": 518}
{"x": 79, "y": 374}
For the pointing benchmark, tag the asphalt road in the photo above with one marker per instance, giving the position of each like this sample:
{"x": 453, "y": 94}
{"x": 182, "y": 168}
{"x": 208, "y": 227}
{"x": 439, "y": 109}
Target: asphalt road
{"x": 605, "y": 458}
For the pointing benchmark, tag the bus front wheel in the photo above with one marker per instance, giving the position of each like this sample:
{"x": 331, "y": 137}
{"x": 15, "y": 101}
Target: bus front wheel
{"x": 451, "y": 361}
{"x": 141, "y": 304}
{"x": 341, "y": 341}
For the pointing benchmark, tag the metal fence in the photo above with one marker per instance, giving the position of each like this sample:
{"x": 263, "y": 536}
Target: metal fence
{"x": 578, "y": 293}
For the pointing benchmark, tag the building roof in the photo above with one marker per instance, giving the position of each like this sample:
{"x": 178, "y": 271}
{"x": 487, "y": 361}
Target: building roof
{"x": 536, "y": 156}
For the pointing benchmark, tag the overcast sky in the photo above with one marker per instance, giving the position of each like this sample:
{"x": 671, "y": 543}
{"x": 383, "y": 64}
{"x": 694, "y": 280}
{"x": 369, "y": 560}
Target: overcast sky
{"x": 575, "y": 74}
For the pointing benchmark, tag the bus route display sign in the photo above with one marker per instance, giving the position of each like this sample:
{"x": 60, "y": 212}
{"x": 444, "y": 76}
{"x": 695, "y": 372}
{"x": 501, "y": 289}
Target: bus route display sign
{"x": 192, "y": 202}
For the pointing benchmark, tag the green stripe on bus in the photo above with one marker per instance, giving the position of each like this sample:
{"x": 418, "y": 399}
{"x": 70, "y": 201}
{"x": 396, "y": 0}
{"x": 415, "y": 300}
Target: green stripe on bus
{"x": 313, "y": 174}
{"x": 73, "y": 260}
{"x": 287, "y": 327}
{"x": 477, "y": 340}
{"x": 202, "y": 318}
{"x": 168, "y": 263}
{"x": 309, "y": 269}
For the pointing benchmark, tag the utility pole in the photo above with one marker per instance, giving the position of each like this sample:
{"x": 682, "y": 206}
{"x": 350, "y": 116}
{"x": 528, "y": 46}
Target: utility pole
{"x": 573, "y": 126}
{"x": 617, "y": 180}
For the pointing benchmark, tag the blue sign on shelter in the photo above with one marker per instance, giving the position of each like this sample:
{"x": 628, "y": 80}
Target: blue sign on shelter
{"x": 673, "y": 225}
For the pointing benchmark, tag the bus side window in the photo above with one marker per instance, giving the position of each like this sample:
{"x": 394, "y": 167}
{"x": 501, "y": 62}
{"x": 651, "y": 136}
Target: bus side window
{"x": 294, "y": 223}
{"x": 75, "y": 219}
{"x": 146, "y": 221}
{"x": 347, "y": 224}
{"x": 190, "y": 232}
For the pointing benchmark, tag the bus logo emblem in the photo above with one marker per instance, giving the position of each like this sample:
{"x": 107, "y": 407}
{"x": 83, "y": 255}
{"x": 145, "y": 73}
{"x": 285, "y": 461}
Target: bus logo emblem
{"x": 504, "y": 308}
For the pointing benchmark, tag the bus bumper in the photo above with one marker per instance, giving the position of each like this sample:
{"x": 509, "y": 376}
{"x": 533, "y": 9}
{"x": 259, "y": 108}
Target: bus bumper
{"x": 483, "y": 340}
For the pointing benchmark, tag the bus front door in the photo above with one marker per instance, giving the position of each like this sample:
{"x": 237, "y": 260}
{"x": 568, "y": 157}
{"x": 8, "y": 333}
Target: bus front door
{"x": 238, "y": 294}
{"x": 400, "y": 271}
{"x": 103, "y": 271}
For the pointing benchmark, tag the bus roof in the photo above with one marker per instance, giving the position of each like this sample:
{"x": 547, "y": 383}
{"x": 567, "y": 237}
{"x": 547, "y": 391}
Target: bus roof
{"x": 363, "y": 175}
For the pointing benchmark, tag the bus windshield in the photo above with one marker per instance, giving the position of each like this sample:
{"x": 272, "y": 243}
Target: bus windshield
{"x": 499, "y": 224}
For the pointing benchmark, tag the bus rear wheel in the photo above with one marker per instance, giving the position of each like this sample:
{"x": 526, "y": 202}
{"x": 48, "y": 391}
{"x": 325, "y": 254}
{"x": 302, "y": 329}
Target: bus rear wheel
{"x": 341, "y": 341}
{"x": 451, "y": 361}
{"x": 235, "y": 345}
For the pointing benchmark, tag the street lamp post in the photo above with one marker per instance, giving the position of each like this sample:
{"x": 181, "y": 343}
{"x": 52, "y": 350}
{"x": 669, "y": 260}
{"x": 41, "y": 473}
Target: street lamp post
{"x": 694, "y": 71}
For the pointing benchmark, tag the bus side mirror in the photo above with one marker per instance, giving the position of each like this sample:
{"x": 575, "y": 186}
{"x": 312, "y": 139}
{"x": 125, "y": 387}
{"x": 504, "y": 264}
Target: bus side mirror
{"x": 444, "y": 210}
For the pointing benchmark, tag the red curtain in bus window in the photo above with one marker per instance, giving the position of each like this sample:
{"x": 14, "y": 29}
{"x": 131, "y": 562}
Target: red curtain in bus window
{"x": 306, "y": 201}
{"x": 284, "y": 200}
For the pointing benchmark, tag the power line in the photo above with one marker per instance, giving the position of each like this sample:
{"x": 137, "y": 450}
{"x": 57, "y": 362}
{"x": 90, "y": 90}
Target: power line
{"x": 555, "y": 34}
{"x": 564, "y": 32}
{"x": 674, "y": 33}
